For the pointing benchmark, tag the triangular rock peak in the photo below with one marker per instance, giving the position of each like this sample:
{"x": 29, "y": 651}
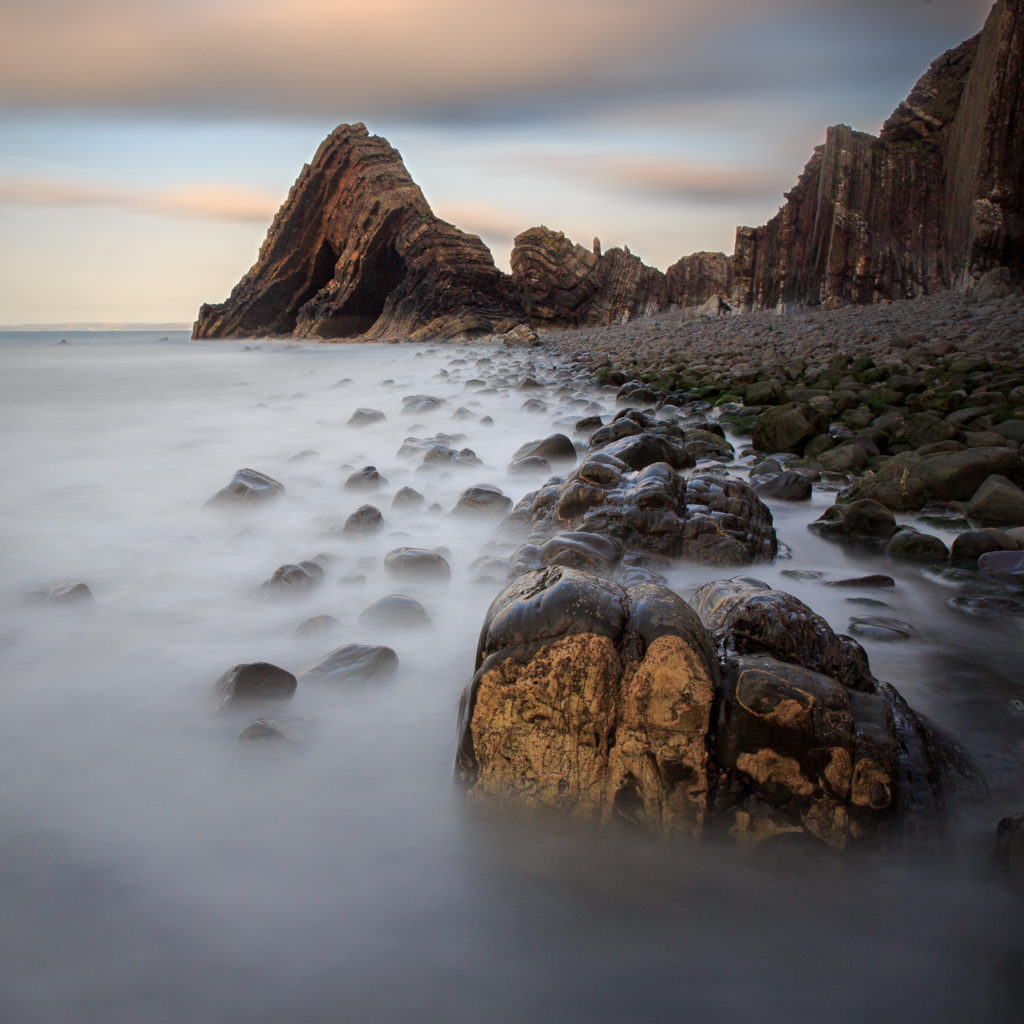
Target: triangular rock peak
{"x": 355, "y": 251}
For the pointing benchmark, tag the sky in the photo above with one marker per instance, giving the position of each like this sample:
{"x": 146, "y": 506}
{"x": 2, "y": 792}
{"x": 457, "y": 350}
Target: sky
{"x": 145, "y": 145}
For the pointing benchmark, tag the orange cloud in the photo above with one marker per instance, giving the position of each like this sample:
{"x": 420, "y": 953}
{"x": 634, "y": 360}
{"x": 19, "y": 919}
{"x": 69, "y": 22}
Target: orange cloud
{"x": 205, "y": 201}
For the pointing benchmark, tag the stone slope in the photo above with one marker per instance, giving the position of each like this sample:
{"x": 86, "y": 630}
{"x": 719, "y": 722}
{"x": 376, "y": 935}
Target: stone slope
{"x": 355, "y": 251}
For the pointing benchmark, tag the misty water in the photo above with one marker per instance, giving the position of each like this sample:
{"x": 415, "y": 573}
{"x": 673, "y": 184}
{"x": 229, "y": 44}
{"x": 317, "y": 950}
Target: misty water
{"x": 153, "y": 868}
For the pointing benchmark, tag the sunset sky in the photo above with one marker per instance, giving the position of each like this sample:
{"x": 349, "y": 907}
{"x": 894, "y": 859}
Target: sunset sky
{"x": 145, "y": 145}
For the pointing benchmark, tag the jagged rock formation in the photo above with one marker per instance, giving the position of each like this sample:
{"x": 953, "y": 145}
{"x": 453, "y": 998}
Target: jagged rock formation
{"x": 355, "y": 251}
{"x": 933, "y": 202}
{"x": 561, "y": 284}
{"x": 694, "y": 279}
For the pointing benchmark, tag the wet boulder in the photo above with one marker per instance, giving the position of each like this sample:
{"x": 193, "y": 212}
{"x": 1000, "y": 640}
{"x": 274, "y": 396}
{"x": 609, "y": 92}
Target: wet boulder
{"x": 292, "y": 579}
{"x": 395, "y": 610}
{"x": 482, "y": 500}
{"x": 1006, "y": 566}
{"x": 352, "y": 663}
{"x": 365, "y": 479}
{"x": 592, "y": 700}
{"x": 705, "y": 518}
{"x": 532, "y": 465}
{"x": 788, "y": 428}
{"x": 316, "y": 625}
{"x": 861, "y": 520}
{"x": 789, "y": 485}
{"x": 366, "y": 521}
{"x": 802, "y": 753}
{"x": 364, "y": 417}
{"x": 417, "y": 563}
{"x": 556, "y": 448}
{"x": 248, "y": 487}
{"x": 997, "y": 502}
{"x": 252, "y": 682}
{"x": 971, "y": 545}
{"x": 912, "y": 545}
{"x": 590, "y": 552}
{"x": 745, "y": 616}
{"x": 406, "y": 498}
{"x": 421, "y": 403}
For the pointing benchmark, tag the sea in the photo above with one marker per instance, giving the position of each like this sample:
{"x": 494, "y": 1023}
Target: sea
{"x": 155, "y": 869}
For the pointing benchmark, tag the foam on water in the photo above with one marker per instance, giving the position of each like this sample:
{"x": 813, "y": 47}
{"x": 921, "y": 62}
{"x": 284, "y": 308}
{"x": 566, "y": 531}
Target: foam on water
{"x": 155, "y": 869}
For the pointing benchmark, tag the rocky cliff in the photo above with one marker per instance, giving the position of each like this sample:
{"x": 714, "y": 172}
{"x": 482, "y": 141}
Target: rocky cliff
{"x": 933, "y": 202}
{"x": 355, "y": 251}
{"x": 561, "y": 284}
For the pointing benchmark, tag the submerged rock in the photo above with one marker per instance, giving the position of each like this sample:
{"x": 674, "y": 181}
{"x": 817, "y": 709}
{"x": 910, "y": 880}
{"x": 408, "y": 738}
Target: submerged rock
{"x": 66, "y": 593}
{"x": 351, "y": 663}
{"x": 395, "y": 610}
{"x": 248, "y": 487}
{"x": 417, "y": 563}
{"x": 255, "y": 681}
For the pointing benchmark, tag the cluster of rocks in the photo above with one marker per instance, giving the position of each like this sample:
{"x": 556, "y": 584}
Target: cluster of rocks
{"x": 599, "y": 692}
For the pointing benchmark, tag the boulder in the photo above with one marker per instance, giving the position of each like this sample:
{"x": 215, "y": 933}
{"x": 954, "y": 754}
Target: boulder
{"x": 417, "y": 563}
{"x": 352, "y": 663}
{"x": 1009, "y": 852}
{"x": 395, "y": 610}
{"x": 970, "y": 545}
{"x": 788, "y": 485}
{"x": 912, "y": 545}
{"x": 365, "y": 479}
{"x": 248, "y": 487}
{"x": 407, "y": 497}
{"x": 482, "y": 500}
{"x": 788, "y": 428}
{"x": 70, "y": 592}
{"x": 364, "y": 417}
{"x": 705, "y": 518}
{"x": 997, "y": 502}
{"x": 256, "y": 681}
{"x": 366, "y": 521}
{"x": 556, "y": 448}
{"x": 861, "y": 520}
{"x": 1007, "y": 566}
{"x": 292, "y": 580}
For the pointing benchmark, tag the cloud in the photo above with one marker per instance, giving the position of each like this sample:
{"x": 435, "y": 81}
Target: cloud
{"x": 204, "y": 201}
{"x": 436, "y": 58}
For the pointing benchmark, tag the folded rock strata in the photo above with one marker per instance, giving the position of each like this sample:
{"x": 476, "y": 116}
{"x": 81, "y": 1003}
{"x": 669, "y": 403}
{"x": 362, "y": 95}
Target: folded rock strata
{"x": 355, "y": 251}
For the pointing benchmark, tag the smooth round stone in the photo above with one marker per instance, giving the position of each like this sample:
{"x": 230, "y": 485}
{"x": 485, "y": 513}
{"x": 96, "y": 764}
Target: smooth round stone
{"x": 395, "y": 610}
{"x": 289, "y": 580}
{"x": 1007, "y": 566}
{"x": 802, "y": 574}
{"x": 420, "y": 403}
{"x": 407, "y": 497}
{"x": 364, "y": 522}
{"x": 351, "y": 663}
{"x": 248, "y": 487}
{"x": 317, "y": 625}
{"x": 417, "y": 563}
{"x": 276, "y": 730}
{"x": 972, "y": 544}
{"x": 879, "y": 627}
{"x": 785, "y": 486}
{"x": 532, "y": 465}
{"x": 365, "y": 479}
{"x": 254, "y": 681}
{"x": 555, "y": 448}
{"x": 363, "y": 417}
{"x": 876, "y": 581}
{"x": 483, "y": 500}
{"x": 915, "y": 546}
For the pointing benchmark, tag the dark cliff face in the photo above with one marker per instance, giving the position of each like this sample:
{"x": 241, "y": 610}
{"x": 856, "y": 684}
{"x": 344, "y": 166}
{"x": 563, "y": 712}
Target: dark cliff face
{"x": 355, "y": 251}
{"x": 933, "y": 202}
{"x": 561, "y": 284}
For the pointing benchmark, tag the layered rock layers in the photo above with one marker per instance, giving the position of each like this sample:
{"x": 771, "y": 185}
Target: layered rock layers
{"x": 355, "y": 251}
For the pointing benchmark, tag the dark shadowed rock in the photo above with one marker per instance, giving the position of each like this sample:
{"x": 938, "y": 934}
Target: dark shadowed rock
{"x": 248, "y": 487}
{"x": 788, "y": 428}
{"x": 970, "y": 545}
{"x": 589, "y": 552}
{"x": 1009, "y": 852}
{"x": 788, "y": 485}
{"x": 256, "y": 681}
{"x": 862, "y": 520}
{"x": 914, "y": 546}
{"x": 997, "y": 502}
{"x": 1007, "y": 566}
{"x": 532, "y": 465}
{"x": 352, "y": 663}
